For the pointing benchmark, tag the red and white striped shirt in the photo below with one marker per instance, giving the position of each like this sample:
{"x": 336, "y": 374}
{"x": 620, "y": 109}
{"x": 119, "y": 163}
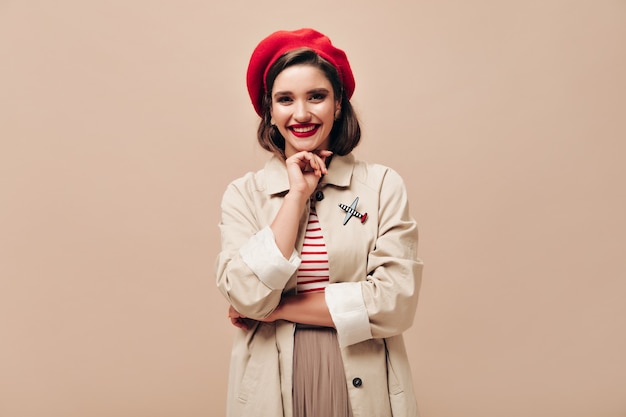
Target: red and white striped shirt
{"x": 313, "y": 275}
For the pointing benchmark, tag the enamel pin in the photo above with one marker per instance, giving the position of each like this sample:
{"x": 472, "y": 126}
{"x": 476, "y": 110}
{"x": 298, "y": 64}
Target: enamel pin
{"x": 351, "y": 211}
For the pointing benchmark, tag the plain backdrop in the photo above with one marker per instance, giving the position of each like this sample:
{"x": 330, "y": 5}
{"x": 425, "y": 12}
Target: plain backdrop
{"x": 121, "y": 123}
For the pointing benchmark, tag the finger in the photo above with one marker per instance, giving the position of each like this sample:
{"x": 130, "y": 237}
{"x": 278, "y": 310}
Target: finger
{"x": 314, "y": 162}
{"x": 311, "y": 163}
{"x": 234, "y": 314}
{"x": 304, "y": 162}
{"x": 323, "y": 164}
{"x": 239, "y": 323}
{"x": 320, "y": 166}
{"x": 324, "y": 153}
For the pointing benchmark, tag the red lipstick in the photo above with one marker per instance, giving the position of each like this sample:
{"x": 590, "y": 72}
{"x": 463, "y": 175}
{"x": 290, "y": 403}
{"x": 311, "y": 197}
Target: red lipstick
{"x": 304, "y": 130}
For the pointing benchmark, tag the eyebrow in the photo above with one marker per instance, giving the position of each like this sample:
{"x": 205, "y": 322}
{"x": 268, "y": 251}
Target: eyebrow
{"x": 313, "y": 91}
{"x": 318, "y": 90}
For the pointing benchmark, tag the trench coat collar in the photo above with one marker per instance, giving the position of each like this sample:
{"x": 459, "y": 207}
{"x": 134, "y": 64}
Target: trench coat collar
{"x": 339, "y": 173}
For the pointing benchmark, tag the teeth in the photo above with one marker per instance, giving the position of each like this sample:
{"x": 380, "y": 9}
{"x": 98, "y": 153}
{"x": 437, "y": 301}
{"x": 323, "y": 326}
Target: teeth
{"x": 303, "y": 129}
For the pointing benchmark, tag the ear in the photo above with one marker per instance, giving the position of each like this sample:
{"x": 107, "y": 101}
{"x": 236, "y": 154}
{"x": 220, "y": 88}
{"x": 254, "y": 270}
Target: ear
{"x": 337, "y": 109}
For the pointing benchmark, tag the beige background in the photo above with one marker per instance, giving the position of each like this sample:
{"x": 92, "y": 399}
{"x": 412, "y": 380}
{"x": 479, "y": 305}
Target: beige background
{"x": 121, "y": 122}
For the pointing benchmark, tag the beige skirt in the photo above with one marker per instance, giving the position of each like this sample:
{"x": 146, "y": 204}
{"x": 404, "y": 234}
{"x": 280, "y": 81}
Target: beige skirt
{"x": 319, "y": 382}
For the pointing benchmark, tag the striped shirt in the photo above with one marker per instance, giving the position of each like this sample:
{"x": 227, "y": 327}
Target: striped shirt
{"x": 313, "y": 273}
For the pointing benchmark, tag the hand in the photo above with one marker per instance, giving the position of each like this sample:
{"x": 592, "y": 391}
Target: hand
{"x": 305, "y": 169}
{"x": 239, "y": 320}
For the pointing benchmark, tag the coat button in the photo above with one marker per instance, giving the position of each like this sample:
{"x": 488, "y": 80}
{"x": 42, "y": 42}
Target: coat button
{"x": 357, "y": 382}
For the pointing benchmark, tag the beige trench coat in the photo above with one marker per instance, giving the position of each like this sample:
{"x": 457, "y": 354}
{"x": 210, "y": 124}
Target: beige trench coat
{"x": 375, "y": 260}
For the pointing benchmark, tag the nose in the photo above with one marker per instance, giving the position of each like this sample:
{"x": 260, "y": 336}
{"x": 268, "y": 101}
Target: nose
{"x": 301, "y": 112}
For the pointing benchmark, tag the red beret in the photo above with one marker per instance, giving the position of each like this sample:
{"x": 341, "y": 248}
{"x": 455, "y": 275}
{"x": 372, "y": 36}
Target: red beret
{"x": 276, "y": 44}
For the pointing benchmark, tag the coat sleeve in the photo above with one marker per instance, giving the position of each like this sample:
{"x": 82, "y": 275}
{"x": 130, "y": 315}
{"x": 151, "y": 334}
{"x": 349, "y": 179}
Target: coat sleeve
{"x": 384, "y": 304}
{"x": 251, "y": 271}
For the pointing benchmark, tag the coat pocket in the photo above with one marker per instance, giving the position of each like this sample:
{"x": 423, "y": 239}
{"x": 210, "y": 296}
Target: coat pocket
{"x": 401, "y": 395}
{"x": 250, "y": 380}
{"x": 393, "y": 382}
{"x": 259, "y": 388}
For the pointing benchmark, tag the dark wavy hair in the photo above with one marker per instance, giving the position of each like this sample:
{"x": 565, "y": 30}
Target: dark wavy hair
{"x": 346, "y": 132}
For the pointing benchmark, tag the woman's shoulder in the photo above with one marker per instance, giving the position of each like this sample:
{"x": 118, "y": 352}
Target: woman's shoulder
{"x": 246, "y": 179}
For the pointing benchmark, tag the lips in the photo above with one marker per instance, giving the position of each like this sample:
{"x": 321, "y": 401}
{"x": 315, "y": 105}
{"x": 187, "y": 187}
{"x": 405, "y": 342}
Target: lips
{"x": 304, "y": 130}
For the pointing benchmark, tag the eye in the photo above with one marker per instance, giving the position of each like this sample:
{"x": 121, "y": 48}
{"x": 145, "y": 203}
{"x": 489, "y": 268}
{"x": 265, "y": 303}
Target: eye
{"x": 317, "y": 97}
{"x": 283, "y": 99}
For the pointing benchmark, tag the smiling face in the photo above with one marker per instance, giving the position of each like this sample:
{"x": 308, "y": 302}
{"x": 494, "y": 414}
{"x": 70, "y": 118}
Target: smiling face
{"x": 303, "y": 108}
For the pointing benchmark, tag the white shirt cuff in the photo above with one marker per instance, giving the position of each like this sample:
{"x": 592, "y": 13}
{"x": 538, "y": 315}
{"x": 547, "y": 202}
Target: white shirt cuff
{"x": 347, "y": 309}
{"x": 263, "y": 257}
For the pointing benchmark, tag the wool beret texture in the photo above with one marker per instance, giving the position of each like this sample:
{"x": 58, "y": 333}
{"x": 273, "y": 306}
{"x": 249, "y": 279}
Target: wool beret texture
{"x": 278, "y": 43}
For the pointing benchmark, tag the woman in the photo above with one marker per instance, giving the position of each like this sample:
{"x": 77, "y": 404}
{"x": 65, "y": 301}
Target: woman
{"x": 318, "y": 256}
